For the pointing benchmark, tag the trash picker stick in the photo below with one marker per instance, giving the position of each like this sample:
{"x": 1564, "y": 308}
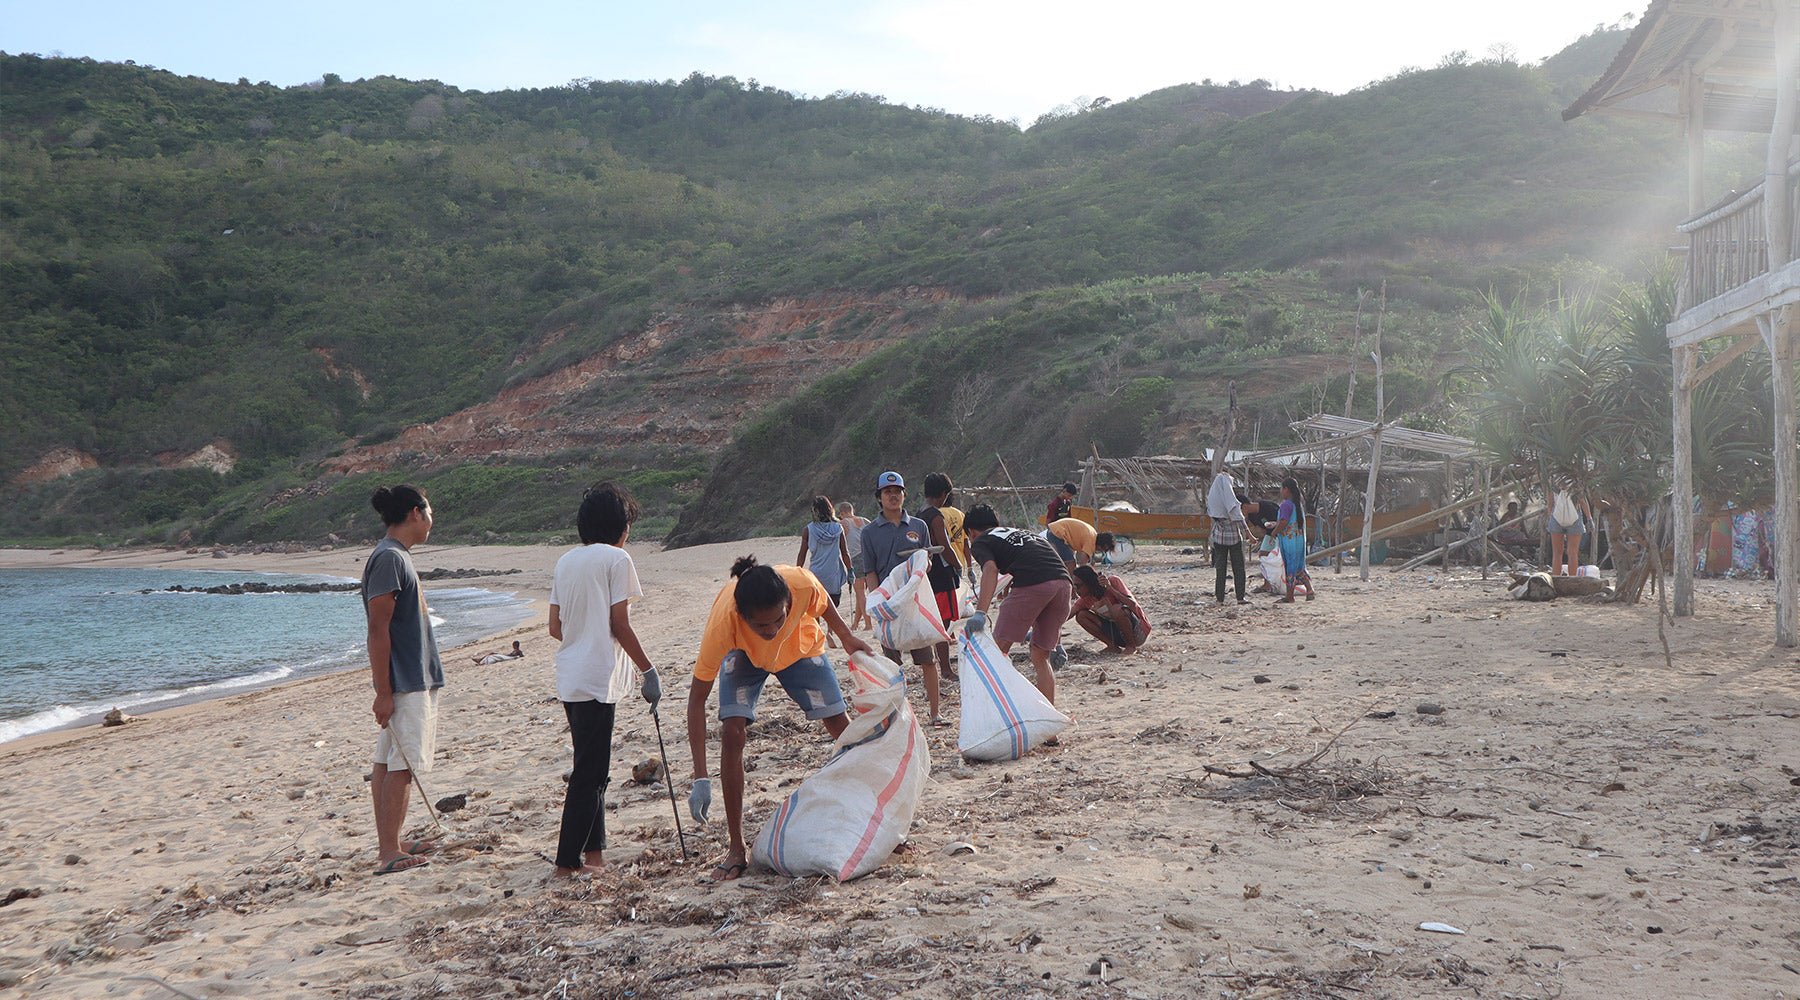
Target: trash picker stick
{"x": 394, "y": 738}
{"x": 1016, "y": 496}
{"x": 670, "y": 781}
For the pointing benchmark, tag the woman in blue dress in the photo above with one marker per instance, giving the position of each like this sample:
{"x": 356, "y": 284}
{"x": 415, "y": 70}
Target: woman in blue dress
{"x": 1290, "y": 537}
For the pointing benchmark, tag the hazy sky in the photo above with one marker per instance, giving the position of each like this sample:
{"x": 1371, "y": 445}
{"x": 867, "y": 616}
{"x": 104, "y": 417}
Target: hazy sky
{"x": 1005, "y": 58}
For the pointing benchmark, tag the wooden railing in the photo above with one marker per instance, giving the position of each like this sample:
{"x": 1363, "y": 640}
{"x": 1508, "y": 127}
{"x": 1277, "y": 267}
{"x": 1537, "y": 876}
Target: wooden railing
{"x": 1728, "y": 246}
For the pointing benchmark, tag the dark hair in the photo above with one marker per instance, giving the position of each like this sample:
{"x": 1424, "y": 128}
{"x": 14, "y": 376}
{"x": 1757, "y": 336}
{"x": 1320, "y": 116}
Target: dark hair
{"x": 607, "y": 509}
{"x": 938, "y": 485}
{"x": 1070, "y": 488}
{"x": 1242, "y": 497}
{"x": 1104, "y": 542}
{"x": 822, "y": 509}
{"x": 980, "y": 517}
{"x": 396, "y": 503}
{"x": 758, "y": 586}
{"x": 1089, "y": 577}
{"x": 1292, "y": 485}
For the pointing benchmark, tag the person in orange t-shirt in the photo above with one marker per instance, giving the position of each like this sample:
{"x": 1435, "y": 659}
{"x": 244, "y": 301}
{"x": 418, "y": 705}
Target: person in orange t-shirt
{"x": 766, "y": 621}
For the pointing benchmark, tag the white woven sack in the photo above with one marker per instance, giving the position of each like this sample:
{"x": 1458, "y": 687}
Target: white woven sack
{"x": 904, "y": 608}
{"x": 846, "y": 820}
{"x": 1003, "y": 714}
{"x": 1274, "y": 570}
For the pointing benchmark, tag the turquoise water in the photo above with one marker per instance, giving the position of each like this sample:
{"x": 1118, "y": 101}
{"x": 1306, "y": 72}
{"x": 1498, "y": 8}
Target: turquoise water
{"x": 77, "y": 643}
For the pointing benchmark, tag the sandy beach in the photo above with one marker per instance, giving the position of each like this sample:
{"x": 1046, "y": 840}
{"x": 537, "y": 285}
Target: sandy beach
{"x": 1595, "y": 821}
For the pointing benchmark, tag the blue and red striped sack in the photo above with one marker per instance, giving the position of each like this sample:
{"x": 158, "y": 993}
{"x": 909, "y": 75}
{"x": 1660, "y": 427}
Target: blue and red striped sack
{"x": 847, "y": 819}
{"x": 1003, "y": 714}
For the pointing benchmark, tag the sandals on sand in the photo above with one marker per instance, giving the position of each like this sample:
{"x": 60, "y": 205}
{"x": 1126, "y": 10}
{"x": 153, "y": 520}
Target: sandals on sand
{"x": 728, "y": 872}
{"x": 417, "y": 847}
{"x": 403, "y": 863}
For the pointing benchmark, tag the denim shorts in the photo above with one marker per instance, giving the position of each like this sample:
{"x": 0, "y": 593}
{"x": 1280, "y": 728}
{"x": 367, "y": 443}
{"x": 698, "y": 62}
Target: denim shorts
{"x": 811, "y": 682}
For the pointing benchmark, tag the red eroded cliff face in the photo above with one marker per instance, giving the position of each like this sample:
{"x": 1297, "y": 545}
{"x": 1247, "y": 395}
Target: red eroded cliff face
{"x": 742, "y": 358}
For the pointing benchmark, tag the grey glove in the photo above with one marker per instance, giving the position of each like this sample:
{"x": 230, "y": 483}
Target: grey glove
{"x": 652, "y": 687}
{"x": 700, "y": 799}
{"x": 977, "y": 622}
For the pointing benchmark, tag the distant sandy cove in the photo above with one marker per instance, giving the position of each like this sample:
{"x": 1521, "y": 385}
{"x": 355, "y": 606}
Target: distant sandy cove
{"x": 1409, "y": 751}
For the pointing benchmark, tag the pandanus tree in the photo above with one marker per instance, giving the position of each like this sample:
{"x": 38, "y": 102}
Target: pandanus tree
{"x": 1580, "y": 393}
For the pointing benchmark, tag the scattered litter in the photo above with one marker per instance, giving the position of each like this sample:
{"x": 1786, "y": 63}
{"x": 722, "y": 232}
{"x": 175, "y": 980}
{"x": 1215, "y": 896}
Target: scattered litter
{"x": 1437, "y": 928}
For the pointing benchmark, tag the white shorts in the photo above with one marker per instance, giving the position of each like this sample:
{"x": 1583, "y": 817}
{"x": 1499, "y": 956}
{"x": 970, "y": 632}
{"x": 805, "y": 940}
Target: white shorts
{"x": 412, "y": 731}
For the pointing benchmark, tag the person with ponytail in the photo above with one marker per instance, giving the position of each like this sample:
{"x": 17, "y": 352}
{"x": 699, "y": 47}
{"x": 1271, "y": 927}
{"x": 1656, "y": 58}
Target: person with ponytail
{"x": 406, "y": 669}
{"x": 824, "y": 537}
{"x": 768, "y": 620}
{"x": 1290, "y": 537}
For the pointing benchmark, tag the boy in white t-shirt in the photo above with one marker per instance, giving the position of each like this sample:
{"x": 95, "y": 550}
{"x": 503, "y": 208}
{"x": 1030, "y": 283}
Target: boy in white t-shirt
{"x": 589, "y": 595}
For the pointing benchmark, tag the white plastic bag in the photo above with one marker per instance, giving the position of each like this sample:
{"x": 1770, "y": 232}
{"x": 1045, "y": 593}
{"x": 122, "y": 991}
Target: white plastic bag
{"x": 904, "y": 608}
{"x": 1564, "y": 511}
{"x": 1003, "y": 714}
{"x": 846, "y": 820}
{"x": 966, "y": 606}
{"x": 1274, "y": 570}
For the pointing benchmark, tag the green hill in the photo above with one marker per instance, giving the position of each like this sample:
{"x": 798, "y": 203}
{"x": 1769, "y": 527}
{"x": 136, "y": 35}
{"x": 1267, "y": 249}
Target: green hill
{"x": 301, "y": 273}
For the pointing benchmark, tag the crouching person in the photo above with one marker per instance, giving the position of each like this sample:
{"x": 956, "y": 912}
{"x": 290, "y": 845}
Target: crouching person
{"x": 769, "y": 620}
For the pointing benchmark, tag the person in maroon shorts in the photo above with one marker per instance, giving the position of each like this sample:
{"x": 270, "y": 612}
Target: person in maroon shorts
{"x": 1038, "y": 603}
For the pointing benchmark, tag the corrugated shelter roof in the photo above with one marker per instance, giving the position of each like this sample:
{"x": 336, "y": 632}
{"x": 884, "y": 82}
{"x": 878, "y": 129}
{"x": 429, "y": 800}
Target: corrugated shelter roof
{"x": 1336, "y": 430}
{"x": 1730, "y": 42}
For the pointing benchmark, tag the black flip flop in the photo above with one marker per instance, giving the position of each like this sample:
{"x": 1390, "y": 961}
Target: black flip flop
{"x": 733, "y": 872}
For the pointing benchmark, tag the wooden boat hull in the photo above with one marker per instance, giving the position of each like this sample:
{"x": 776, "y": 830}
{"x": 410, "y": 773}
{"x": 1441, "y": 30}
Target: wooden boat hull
{"x": 1197, "y": 527}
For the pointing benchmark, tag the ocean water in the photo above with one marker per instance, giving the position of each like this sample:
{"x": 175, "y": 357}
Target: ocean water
{"x": 77, "y": 643}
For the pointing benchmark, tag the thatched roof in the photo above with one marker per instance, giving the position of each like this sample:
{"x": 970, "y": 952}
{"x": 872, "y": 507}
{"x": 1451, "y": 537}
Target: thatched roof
{"x": 1729, "y": 42}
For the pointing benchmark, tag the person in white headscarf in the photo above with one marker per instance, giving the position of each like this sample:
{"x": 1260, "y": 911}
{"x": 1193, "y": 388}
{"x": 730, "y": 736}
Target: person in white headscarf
{"x": 1228, "y": 530}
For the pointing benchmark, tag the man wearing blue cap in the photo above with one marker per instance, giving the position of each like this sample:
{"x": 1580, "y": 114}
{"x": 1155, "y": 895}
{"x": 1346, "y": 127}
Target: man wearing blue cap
{"x": 886, "y": 543}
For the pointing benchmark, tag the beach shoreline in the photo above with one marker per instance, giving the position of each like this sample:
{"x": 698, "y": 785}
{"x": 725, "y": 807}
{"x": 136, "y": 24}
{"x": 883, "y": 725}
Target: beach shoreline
{"x": 1598, "y": 822}
{"x": 341, "y": 562}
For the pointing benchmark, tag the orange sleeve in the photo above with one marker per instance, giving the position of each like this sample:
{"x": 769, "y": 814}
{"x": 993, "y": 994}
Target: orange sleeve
{"x": 720, "y": 636}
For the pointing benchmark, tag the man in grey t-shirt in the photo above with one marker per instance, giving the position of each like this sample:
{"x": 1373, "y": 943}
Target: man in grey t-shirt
{"x": 406, "y": 671}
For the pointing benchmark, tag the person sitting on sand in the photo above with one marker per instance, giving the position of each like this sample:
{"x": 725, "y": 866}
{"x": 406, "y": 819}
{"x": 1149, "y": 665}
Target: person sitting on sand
{"x": 513, "y": 654}
{"x": 768, "y": 620}
{"x": 590, "y": 594}
{"x": 406, "y": 669}
{"x": 1105, "y": 608}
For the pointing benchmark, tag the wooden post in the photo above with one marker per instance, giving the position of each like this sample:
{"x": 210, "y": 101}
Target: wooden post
{"x": 1693, "y": 101}
{"x": 1684, "y": 481}
{"x": 1779, "y": 332}
{"x": 1089, "y": 497}
{"x": 1449, "y": 474}
{"x": 1337, "y": 533}
{"x": 1368, "y": 524}
{"x": 1487, "y": 514}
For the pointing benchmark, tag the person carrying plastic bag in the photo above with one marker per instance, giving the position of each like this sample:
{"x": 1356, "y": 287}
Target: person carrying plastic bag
{"x": 847, "y": 819}
{"x": 890, "y": 542}
{"x": 905, "y": 609}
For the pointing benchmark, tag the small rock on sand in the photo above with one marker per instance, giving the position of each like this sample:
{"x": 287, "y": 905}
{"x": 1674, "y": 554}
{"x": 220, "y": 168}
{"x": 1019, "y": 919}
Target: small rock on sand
{"x": 1430, "y": 708}
{"x": 451, "y": 803}
{"x": 647, "y": 771}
